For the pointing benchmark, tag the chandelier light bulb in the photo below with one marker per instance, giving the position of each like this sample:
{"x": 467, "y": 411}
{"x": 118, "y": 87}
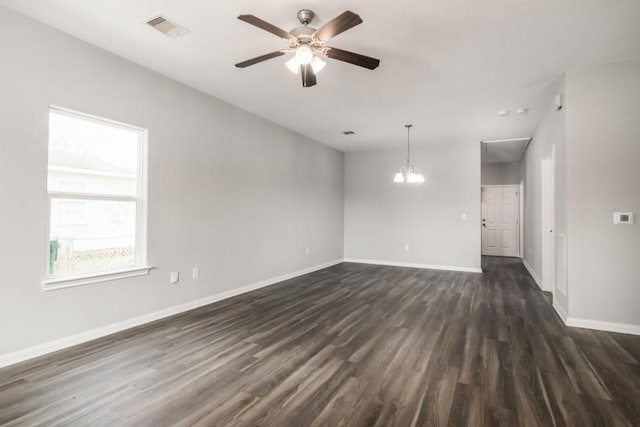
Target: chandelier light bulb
{"x": 399, "y": 177}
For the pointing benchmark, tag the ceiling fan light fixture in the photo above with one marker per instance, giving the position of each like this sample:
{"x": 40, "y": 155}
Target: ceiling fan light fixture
{"x": 317, "y": 64}
{"x": 304, "y": 54}
{"x": 293, "y": 65}
{"x": 308, "y": 44}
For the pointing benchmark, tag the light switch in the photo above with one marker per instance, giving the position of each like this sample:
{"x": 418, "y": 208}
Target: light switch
{"x": 174, "y": 277}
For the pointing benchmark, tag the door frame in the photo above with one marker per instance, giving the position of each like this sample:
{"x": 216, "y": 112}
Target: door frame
{"x": 521, "y": 219}
{"x": 519, "y": 205}
{"x": 547, "y": 203}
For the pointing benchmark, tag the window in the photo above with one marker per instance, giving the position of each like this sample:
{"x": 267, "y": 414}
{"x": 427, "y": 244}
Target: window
{"x": 96, "y": 200}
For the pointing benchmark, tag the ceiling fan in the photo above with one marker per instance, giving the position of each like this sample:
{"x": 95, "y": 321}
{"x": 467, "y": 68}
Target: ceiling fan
{"x": 308, "y": 44}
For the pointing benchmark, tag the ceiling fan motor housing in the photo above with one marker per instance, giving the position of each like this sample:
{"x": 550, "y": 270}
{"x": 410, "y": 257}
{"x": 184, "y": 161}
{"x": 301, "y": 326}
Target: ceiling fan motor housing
{"x": 305, "y": 16}
{"x": 303, "y": 35}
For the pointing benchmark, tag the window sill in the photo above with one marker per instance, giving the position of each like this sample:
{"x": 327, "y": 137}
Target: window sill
{"x": 68, "y": 282}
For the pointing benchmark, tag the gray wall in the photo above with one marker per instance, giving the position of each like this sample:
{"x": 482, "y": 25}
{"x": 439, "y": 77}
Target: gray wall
{"x": 551, "y": 131}
{"x": 382, "y": 216}
{"x": 501, "y": 173}
{"x": 231, "y": 193}
{"x": 603, "y": 142}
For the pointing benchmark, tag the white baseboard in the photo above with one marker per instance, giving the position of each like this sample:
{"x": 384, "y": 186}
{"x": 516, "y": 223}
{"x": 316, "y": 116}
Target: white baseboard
{"x": 533, "y": 274}
{"x": 623, "y": 328}
{"x": 563, "y": 314}
{"x": 59, "y": 344}
{"x": 414, "y": 265}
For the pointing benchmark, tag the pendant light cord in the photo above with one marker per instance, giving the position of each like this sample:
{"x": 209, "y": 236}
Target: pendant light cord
{"x": 408, "y": 146}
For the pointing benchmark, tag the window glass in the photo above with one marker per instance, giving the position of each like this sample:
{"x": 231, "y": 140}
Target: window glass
{"x": 91, "y": 157}
{"x": 92, "y": 235}
{"x": 93, "y": 194}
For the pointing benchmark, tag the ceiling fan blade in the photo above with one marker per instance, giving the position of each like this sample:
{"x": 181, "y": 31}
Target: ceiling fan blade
{"x": 352, "y": 58}
{"x": 257, "y": 59}
{"x": 254, "y": 20}
{"x": 337, "y": 25}
{"x": 308, "y": 76}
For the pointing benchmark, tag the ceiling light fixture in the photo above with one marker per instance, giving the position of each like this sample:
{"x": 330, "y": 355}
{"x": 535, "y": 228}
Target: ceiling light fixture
{"x": 409, "y": 173}
{"x": 304, "y": 54}
{"x": 503, "y": 113}
{"x": 294, "y": 63}
{"x": 309, "y": 45}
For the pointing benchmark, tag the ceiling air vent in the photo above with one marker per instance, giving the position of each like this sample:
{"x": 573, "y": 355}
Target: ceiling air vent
{"x": 168, "y": 27}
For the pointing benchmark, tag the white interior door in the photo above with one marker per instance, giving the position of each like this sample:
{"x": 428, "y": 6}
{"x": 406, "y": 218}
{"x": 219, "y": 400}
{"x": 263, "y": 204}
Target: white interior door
{"x": 500, "y": 220}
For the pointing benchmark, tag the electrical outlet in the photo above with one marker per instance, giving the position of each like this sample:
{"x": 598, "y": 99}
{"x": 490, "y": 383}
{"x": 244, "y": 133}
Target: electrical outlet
{"x": 623, "y": 218}
{"x": 196, "y": 272}
{"x": 407, "y": 248}
{"x": 307, "y": 251}
{"x": 174, "y": 277}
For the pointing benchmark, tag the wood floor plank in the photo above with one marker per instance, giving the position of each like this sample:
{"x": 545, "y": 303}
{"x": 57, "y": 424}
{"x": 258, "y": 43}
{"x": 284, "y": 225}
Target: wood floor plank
{"x": 350, "y": 345}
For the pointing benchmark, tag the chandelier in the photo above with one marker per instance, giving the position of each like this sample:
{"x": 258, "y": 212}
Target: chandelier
{"x": 409, "y": 174}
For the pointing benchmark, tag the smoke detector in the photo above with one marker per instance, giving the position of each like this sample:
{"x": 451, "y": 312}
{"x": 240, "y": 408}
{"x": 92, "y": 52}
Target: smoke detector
{"x": 168, "y": 27}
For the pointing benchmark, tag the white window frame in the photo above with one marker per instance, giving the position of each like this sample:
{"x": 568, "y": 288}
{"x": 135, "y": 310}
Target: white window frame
{"x": 58, "y": 281}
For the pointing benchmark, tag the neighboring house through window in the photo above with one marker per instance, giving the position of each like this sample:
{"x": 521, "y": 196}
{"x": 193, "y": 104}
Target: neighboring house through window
{"x": 96, "y": 195}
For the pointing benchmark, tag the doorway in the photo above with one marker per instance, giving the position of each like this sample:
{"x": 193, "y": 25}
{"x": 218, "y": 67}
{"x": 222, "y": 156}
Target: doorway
{"x": 501, "y": 220}
{"x": 502, "y": 180}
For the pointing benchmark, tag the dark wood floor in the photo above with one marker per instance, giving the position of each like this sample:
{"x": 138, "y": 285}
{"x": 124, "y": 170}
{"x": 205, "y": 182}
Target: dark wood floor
{"x": 352, "y": 345}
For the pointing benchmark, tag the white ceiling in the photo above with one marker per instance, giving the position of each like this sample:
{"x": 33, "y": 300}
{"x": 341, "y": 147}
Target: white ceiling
{"x": 447, "y": 66}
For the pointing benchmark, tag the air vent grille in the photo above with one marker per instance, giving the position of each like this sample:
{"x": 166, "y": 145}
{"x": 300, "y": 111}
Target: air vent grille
{"x": 167, "y": 26}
